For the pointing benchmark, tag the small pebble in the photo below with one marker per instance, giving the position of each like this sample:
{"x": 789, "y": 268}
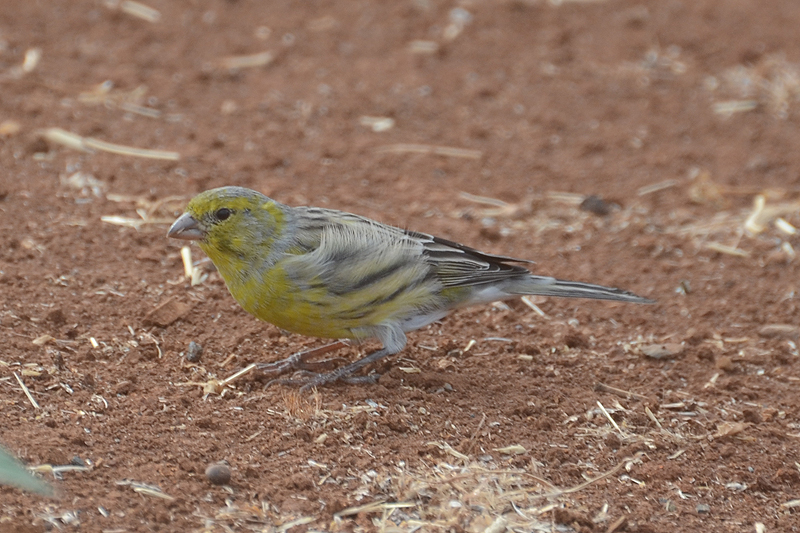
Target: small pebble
{"x": 194, "y": 352}
{"x": 703, "y": 508}
{"x": 662, "y": 351}
{"x": 218, "y": 474}
{"x": 595, "y": 204}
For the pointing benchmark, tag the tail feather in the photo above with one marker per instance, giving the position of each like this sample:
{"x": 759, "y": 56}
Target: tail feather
{"x": 544, "y": 286}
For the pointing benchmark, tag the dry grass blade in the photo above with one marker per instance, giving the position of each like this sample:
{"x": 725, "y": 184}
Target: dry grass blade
{"x": 730, "y": 429}
{"x": 186, "y": 257}
{"x": 500, "y": 208}
{"x": 762, "y": 215}
{"x": 731, "y": 107}
{"x": 785, "y": 227}
{"x": 246, "y": 370}
{"x": 536, "y": 309}
{"x": 569, "y": 198}
{"x": 727, "y": 250}
{"x": 429, "y": 149}
{"x": 602, "y": 387}
{"x": 140, "y": 110}
{"x": 514, "y": 449}
{"x": 772, "y": 83}
{"x": 297, "y": 522}
{"x": 423, "y": 47}
{"x": 145, "y": 489}
{"x": 65, "y": 138}
{"x": 484, "y": 200}
{"x": 128, "y": 222}
{"x": 135, "y": 9}
{"x": 372, "y": 507}
{"x": 377, "y": 124}
{"x": 139, "y": 10}
{"x": 595, "y": 479}
{"x": 120, "y": 149}
{"x": 617, "y": 524}
{"x": 652, "y": 417}
{"x": 445, "y": 447}
{"x": 611, "y": 420}
{"x": 90, "y": 144}
{"x": 156, "y": 493}
{"x": 27, "y": 392}
{"x": 475, "y": 434}
{"x": 655, "y": 187}
{"x": 247, "y": 61}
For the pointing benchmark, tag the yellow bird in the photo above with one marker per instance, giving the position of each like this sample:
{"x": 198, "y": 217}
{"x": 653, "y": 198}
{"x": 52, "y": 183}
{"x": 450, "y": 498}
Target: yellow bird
{"x": 327, "y": 273}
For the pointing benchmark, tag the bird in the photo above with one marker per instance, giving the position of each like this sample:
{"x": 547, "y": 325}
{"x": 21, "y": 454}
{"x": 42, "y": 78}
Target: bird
{"x": 332, "y": 274}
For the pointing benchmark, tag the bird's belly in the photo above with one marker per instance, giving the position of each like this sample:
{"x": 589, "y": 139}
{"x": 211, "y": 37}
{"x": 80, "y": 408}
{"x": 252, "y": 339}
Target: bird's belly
{"x": 310, "y": 308}
{"x": 294, "y": 312}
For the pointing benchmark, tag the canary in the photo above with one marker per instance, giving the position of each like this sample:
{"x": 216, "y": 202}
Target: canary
{"x": 326, "y": 273}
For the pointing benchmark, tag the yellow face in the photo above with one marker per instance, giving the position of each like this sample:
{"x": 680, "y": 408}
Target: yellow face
{"x": 231, "y": 224}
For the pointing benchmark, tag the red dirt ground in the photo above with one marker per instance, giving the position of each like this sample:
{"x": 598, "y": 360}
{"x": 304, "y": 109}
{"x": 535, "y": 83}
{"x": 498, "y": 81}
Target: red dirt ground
{"x": 677, "y": 113}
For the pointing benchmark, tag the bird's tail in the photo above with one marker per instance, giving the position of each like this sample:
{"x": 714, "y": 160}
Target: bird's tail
{"x": 546, "y": 286}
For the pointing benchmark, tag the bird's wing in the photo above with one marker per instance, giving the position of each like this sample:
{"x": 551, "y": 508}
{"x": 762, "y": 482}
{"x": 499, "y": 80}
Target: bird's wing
{"x": 453, "y": 264}
{"x": 350, "y": 253}
{"x": 457, "y": 265}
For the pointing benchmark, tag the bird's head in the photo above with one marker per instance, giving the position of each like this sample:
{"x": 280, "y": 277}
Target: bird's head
{"x": 230, "y": 223}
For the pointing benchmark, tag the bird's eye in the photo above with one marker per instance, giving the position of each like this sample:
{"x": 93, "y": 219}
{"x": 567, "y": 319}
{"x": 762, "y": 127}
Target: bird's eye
{"x": 223, "y": 214}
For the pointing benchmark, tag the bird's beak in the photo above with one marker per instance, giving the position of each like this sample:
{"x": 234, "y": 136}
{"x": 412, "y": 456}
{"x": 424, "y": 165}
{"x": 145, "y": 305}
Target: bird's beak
{"x": 186, "y": 228}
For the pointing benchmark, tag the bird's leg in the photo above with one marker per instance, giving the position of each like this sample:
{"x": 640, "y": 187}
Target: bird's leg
{"x": 300, "y": 360}
{"x": 310, "y": 380}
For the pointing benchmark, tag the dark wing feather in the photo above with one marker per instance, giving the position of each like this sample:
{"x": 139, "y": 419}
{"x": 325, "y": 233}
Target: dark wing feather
{"x": 457, "y": 265}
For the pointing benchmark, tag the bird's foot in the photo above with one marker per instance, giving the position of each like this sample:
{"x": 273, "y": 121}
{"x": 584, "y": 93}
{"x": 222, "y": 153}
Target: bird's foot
{"x": 311, "y": 380}
{"x": 300, "y": 361}
{"x": 308, "y": 379}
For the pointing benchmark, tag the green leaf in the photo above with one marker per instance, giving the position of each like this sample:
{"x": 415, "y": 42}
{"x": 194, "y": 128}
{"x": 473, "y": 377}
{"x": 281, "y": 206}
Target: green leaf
{"x": 13, "y": 473}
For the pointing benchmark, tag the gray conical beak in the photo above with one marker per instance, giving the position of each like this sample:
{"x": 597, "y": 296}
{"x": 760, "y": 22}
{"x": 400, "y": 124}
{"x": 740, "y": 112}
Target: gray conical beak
{"x": 186, "y": 228}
